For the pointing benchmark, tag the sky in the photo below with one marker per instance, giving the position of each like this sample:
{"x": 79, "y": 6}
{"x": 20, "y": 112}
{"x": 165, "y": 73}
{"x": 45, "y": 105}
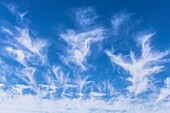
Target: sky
{"x": 84, "y": 56}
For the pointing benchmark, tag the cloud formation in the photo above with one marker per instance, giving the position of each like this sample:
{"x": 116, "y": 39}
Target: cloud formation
{"x": 118, "y": 21}
{"x": 140, "y": 68}
{"x": 85, "y": 17}
{"x": 23, "y": 48}
{"x": 79, "y": 42}
{"x": 13, "y": 10}
{"x": 29, "y": 83}
{"x": 79, "y": 45}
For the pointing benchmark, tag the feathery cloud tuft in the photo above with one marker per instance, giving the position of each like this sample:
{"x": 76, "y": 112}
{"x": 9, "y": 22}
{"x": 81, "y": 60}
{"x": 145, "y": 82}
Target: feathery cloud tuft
{"x": 140, "y": 68}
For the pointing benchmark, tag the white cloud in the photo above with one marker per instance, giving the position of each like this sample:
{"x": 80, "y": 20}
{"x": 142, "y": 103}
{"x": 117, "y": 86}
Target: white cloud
{"x": 118, "y": 20}
{"x": 13, "y": 10}
{"x": 61, "y": 92}
{"x": 79, "y": 45}
{"x": 25, "y": 49}
{"x": 140, "y": 68}
{"x": 79, "y": 41}
{"x": 82, "y": 84}
{"x": 34, "y": 104}
{"x": 165, "y": 91}
{"x": 36, "y": 46}
{"x": 29, "y": 73}
{"x": 60, "y": 78}
{"x": 85, "y": 17}
{"x": 17, "y": 55}
{"x": 6, "y": 30}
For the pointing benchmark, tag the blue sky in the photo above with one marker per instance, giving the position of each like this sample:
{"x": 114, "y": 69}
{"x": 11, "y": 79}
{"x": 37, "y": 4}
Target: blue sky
{"x": 84, "y": 56}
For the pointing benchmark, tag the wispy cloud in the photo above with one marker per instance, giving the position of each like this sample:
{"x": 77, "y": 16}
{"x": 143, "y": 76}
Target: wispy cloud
{"x": 165, "y": 91}
{"x": 80, "y": 41}
{"x": 118, "y": 20}
{"x": 23, "y": 48}
{"x": 140, "y": 68}
{"x": 17, "y": 55}
{"x": 35, "y": 46}
{"x": 85, "y": 17}
{"x": 37, "y": 86}
{"x": 79, "y": 45}
{"x": 6, "y": 30}
{"x": 13, "y": 10}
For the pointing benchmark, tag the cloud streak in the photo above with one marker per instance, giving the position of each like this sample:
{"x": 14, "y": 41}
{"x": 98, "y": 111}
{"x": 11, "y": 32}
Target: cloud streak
{"x": 79, "y": 42}
{"x": 140, "y": 68}
{"x": 13, "y": 10}
{"x": 79, "y": 45}
{"x": 23, "y": 48}
{"x": 118, "y": 21}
